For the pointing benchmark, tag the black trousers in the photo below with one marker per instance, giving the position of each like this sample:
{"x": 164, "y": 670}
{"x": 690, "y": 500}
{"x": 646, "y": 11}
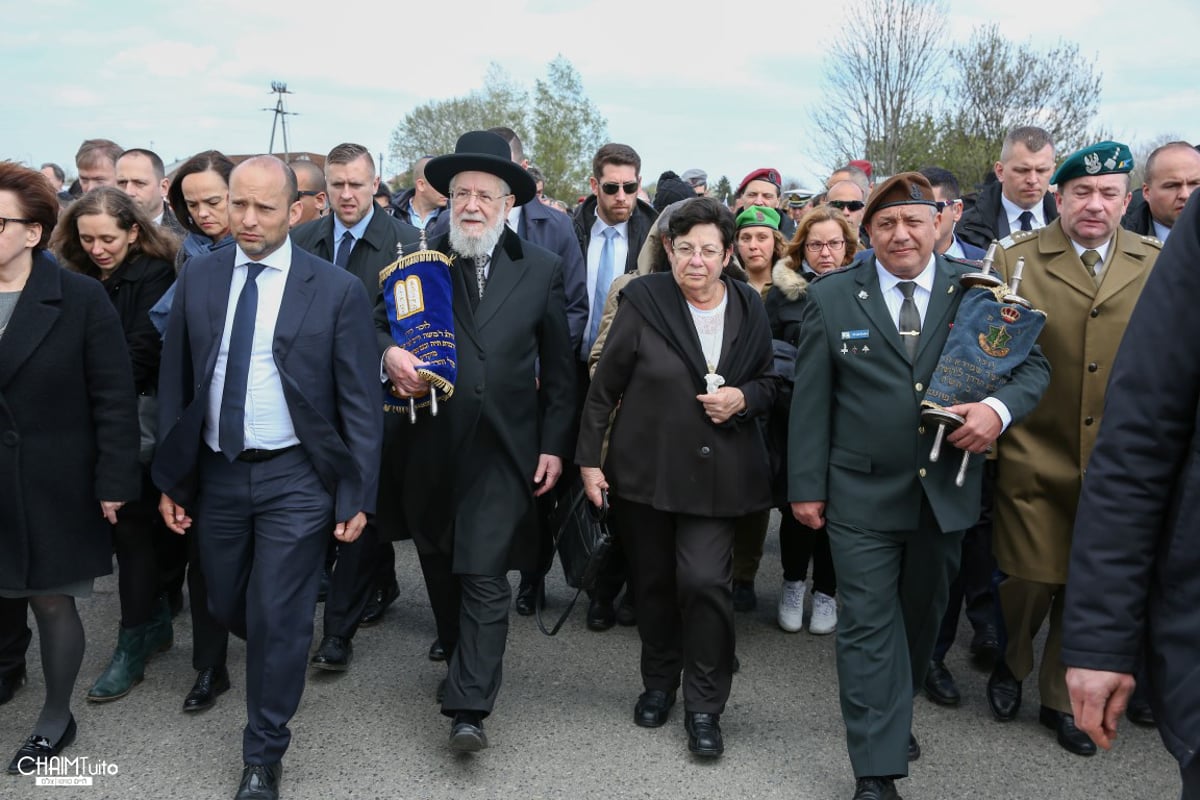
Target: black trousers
{"x": 210, "y": 639}
{"x": 471, "y": 613}
{"x": 15, "y": 634}
{"x": 1191, "y": 780}
{"x": 797, "y": 544}
{"x": 356, "y": 573}
{"x": 139, "y": 576}
{"x": 681, "y": 572}
{"x": 973, "y": 584}
{"x": 262, "y": 529}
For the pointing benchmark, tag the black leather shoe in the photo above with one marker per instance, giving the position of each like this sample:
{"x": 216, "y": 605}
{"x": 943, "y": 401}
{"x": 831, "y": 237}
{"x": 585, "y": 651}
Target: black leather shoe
{"x": 260, "y": 782}
{"x": 652, "y": 708}
{"x": 704, "y": 734}
{"x": 35, "y": 747}
{"x": 1003, "y": 693}
{"x": 10, "y": 682}
{"x": 436, "y": 651}
{"x": 1069, "y": 737}
{"x": 380, "y": 600}
{"x": 744, "y": 598}
{"x": 334, "y": 654}
{"x": 940, "y": 686}
{"x": 875, "y": 789}
{"x": 985, "y": 646}
{"x": 626, "y": 611}
{"x": 600, "y": 616}
{"x": 527, "y": 594}
{"x": 210, "y": 682}
{"x": 914, "y": 749}
{"x": 1138, "y": 712}
{"x": 466, "y": 732}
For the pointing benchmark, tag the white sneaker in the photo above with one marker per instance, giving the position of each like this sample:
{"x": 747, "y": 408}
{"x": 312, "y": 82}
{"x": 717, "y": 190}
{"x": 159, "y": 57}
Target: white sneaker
{"x": 791, "y": 606}
{"x": 824, "y": 614}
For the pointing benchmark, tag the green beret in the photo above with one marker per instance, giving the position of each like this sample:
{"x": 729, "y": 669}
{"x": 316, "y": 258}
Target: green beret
{"x": 905, "y": 189}
{"x": 1102, "y": 158}
{"x": 758, "y": 216}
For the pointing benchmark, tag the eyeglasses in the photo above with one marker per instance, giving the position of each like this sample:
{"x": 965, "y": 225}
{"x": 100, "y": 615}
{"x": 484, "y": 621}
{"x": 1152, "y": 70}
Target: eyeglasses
{"x": 307, "y": 193}
{"x": 5, "y": 220}
{"x": 630, "y": 187}
{"x": 942, "y": 205}
{"x": 707, "y": 253}
{"x": 462, "y": 196}
{"x": 832, "y": 244}
{"x": 847, "y": 205}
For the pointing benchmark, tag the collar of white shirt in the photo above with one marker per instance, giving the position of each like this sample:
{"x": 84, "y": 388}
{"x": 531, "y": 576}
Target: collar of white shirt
{"x": 357, "y": 230}
{"x": 280, "y": 260}
{"x": 888, "y": 281}
{"x": 622, "y": 228}
{"x": 1014, "y": 213}
{"x": 1102, "y": 250}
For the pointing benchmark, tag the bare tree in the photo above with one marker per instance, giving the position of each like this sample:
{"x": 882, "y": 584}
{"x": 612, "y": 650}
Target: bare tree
{"x": 881, "y": 75}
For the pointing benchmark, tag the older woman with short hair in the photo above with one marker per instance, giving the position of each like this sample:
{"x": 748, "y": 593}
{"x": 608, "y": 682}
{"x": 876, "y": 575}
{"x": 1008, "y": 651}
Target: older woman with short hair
{"x": 69, "y": 460}
{"x": 687, "y": 367}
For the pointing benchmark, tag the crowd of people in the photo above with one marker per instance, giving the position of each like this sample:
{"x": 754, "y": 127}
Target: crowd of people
{"x": 695, "y": 365}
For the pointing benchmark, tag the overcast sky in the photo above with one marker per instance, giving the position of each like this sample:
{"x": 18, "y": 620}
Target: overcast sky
{"x": 726, "y": 89}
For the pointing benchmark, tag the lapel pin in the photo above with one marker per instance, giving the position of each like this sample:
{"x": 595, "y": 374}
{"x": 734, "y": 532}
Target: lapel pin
{"x": 862, "y": 295}
{"x": 949, "y": 290}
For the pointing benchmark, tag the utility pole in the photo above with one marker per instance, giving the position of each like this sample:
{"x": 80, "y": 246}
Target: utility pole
{"x": 280, "y": 119}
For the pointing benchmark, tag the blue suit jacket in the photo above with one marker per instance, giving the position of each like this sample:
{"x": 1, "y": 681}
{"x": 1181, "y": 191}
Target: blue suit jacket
{"x": 326, "y": 355}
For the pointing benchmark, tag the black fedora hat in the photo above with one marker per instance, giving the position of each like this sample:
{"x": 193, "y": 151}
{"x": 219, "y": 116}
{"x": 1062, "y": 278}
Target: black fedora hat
{"x": 481, "y": 151}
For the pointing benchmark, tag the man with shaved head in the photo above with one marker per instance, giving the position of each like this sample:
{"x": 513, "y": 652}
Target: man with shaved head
{"x": 271, "y": 414}
{"x": 314, "y": 199}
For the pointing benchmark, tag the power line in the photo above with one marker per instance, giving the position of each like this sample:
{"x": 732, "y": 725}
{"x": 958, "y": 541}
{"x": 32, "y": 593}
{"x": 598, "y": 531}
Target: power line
{"x": 281, "y": 114}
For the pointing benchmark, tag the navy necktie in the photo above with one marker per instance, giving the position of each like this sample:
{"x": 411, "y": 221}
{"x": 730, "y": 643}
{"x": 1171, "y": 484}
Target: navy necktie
{"x": 344, "y": 247}
{"x": 231, "y": 432}
{"x": 1026, "y": 220}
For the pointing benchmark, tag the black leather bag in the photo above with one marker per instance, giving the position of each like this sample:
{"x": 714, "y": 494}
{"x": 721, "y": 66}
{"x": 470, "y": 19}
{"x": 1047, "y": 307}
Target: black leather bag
{"x": 582, "y": 541}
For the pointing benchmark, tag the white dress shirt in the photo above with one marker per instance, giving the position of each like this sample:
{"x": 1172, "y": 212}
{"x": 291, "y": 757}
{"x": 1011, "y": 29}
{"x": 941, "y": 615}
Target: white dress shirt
{"x": 620, "y": 245}
{"x": 1014, "y": 213}
{"x": 268, "y": 424}
{"x": 1101, "y": 249}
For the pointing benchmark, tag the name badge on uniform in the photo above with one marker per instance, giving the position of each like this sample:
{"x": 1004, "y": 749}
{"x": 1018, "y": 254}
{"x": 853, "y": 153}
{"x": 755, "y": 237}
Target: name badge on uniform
{"x": 859, "y": 334}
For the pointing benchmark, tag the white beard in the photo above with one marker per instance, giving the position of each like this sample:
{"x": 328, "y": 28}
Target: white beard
{"x": 469, "y": 246}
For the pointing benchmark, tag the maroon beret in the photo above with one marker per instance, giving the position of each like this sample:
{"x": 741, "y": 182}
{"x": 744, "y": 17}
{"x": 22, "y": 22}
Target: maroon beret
{"x": 765, "y": 174}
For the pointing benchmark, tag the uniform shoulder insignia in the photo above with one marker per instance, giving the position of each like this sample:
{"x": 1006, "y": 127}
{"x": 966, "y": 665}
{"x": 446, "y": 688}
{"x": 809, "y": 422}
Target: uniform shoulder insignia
{"x": 1152, "y": 241}
{"x": 1016, "y": 238}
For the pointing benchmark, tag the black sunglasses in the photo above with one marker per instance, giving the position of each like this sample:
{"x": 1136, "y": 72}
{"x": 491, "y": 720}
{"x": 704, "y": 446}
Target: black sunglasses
{"x": 307, "y": 193}
{"x": 630, "y": 187}
{"x": 847, "y": 205}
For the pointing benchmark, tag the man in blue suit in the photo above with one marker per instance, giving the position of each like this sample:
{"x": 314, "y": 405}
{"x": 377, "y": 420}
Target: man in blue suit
{"x": 272, "y": 417}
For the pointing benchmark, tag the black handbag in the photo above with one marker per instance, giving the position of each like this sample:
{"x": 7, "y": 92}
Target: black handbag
{"x": 582, "y": 541}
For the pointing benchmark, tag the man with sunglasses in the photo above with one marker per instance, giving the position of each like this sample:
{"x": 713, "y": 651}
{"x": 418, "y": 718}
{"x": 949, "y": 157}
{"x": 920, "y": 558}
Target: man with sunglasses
{"x": 611, "y": 226}
{"x": 314, "y": 201}
{"x": 849, "y": 198}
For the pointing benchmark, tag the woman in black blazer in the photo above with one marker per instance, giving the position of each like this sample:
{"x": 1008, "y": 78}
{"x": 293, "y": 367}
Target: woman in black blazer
{"x": 687, "y": 367}
{"x": 105, "y": 236}
{"x": 68, "y": 442}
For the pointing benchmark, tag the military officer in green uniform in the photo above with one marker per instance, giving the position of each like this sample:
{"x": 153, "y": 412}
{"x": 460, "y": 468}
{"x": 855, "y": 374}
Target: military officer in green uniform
{"x": 859, "y": 464}
{"x": 1086, "y": 273}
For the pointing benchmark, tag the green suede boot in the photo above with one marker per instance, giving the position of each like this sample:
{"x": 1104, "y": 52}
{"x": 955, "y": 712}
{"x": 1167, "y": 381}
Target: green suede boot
{"x": 127, "y": 668}
{"x": 160, "y": 633}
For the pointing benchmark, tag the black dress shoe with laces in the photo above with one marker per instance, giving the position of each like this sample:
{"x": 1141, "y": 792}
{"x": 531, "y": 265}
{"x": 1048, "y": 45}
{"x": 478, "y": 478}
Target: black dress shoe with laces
{"x": 436, "y": 651}
{"x": 35, "y": 747}
{"x": 381, "y": 598}
{"x": 1070, "y": 738}
{"x": 652, "y": 708}
{"x": 260, "y": 782}
{"x": 9, "y": 683}
{"x": 466, "y": 732}
{"x": 527, "y": 594}
{"x": 1003, "y": 693}
{"x": 626, "y": 611}
{"x": 210, "y": 682}
{"x": 334, "y": 654}
{"x": 940, "y": 686}
{"x": 704, "y": 734}
{"x": 600, "y": 615}
{"x": 875, "y": 789}
{"x": 914, "y": 748}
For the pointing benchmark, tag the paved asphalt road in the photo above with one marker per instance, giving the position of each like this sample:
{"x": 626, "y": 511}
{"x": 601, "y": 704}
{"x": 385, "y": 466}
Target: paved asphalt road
{"x": 563, "y": 726}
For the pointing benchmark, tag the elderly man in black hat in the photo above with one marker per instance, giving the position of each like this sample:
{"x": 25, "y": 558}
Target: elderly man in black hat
{"x": 871, "y": 338}
{"x": 469, "y": 475}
